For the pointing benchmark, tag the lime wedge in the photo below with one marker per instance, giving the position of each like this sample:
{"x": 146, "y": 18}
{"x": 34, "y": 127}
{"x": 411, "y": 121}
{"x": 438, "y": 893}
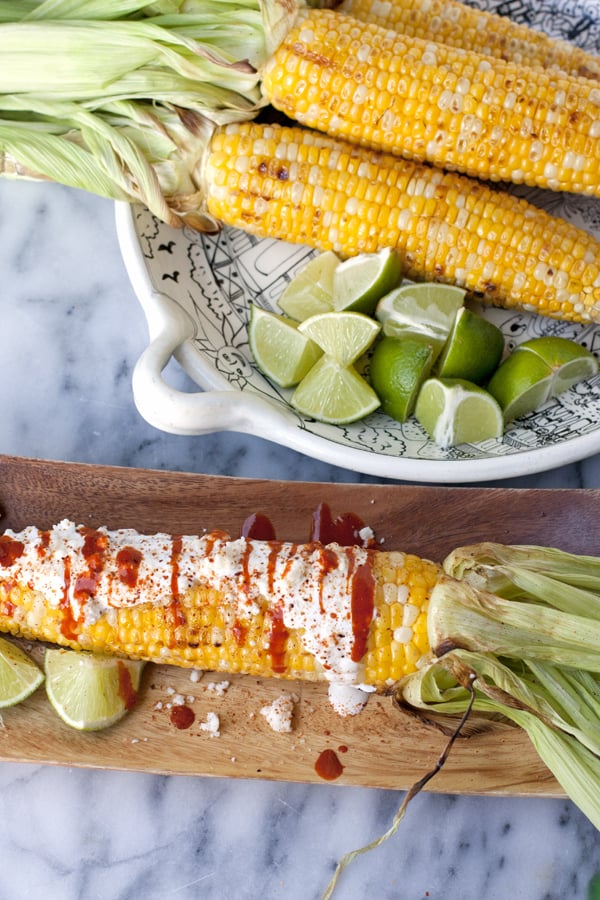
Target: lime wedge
{"x": 428, "y": 309}
{"x": 522, "y": 383}
{"x": 90, "y": 692}
{"x": 569, "y": 361}
{"x": 359, "y": 282}
{"x": 454, "y": 411}
{"x": 334, "y": 393}
{"x": 19, "y": 675}
{"x": 342, "y": 335}
{"x": 281, "y": 352}
{"x": 473, "y": 350}
{"x": 398, "y": 368}
{"x": 311, "y": 290}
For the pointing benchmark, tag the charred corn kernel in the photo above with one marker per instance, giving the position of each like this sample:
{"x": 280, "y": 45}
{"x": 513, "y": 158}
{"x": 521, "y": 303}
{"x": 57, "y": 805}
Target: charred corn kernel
{"x": 469, "y": 210}
{"x": 271, "y": 609}
{"x": 481, "y": 116}
{"x": 459, "y": 25}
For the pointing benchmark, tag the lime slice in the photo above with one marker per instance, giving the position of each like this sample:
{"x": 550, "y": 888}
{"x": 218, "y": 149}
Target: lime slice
{"x": 311, "y": 290}
{"x": 342, "y": 335}
{"x": 428, "y": 309}
{"x": 334, "y": 393}
{"x": 522, "y": 383}
{"x": 473, "y": 350}
{"x": 454, "y": 411}
{"x": 359, "y": 282}
{"x": 90, "y": 692}
{"x": 569, "y": 360}
{"x": 19, "y": 675}
{"x": 398, "y": 368}
{"x": 281, "y": 352}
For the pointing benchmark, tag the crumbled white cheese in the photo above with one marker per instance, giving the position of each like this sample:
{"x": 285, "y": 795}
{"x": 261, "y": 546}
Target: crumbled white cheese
{"x": 218, "y": 687}
{"x": 348, "y": 700}
{"x": 178, "y": 700}
{"x": 366, "y": 535}
{"x": 196, "y": 675}
{"x": 211, "y": 725}
{"x": 280, "y": 712}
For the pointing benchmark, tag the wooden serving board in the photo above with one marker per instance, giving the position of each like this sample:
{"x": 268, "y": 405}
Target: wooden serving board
{"x": 381, "y": 747}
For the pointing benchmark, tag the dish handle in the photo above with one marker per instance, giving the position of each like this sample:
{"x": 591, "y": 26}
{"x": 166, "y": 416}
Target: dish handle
{"x": 179, "y": 412}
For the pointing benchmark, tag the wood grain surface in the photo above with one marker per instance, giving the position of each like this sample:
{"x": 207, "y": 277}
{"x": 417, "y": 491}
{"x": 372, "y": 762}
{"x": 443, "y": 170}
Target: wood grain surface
{"x": 382, "y": 747}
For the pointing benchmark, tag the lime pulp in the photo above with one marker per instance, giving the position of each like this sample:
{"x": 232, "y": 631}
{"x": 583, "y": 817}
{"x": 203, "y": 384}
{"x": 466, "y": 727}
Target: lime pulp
{"x": 20, "y": 676}
{"x": 280, "y": 350}
{"x": 360, "y": 282}
{"x": 454, "y": 411}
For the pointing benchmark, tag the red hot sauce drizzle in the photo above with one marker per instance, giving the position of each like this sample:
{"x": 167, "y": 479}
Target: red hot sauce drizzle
{"x": 10, "y": 550}
{"x": 175, "y": 607}
{"x": 68, "y": 625}
{"x": 95, "y": 545}
{"x": 278, "y": 640}
{"x": 328, "y": 765}
{"x": 362, "y": 606}
{"x": 128, "y": 565}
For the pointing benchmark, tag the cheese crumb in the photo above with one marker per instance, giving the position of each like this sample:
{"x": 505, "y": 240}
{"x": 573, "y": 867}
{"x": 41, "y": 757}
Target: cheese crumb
{"x": 218, "y": 687}
{"x": 348, "y": 700}
{"x": 279, "y": 713}
{"x": 196, "y": 675}
{"x": 211, "y": 725}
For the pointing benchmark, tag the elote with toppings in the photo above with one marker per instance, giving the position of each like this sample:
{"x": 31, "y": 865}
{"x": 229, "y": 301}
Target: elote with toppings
{"x": 427, "y": 101}
{"x": 458, "y": 25}
{"x": 305, "y": 187}
{"x": 347, "y": 615}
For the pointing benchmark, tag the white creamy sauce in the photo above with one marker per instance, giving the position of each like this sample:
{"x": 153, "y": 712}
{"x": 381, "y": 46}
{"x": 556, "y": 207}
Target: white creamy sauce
{"x": 313, "y": 591}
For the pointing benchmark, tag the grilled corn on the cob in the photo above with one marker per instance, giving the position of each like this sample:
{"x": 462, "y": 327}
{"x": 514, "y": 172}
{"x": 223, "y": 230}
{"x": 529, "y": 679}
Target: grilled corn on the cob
{"x": 347, "y": 615}
{"x": 427, "y": 101}
{"x": 305, "y": 187}
{"x": 454, "y": 23}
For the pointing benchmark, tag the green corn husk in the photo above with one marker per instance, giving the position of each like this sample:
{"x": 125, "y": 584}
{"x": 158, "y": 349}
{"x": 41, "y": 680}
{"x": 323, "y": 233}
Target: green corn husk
{"x": 569, "y": 752}
{"x": 115, "y": 97}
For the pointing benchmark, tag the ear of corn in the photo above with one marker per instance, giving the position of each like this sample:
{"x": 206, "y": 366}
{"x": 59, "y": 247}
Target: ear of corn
{"x": 425, "y": 101}
{"x": 301, "y": 186}
{"x": 458, "y": 25}
{"x": 342, "y": 614}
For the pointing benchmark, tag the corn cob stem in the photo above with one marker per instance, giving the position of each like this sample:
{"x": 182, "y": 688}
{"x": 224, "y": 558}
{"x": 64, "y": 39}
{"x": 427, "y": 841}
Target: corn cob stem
{"x": 330, "y": 613}
{"x": 458, "y": 25}
{"x": 301, "y": 186}
{"x": 454, "y": 108}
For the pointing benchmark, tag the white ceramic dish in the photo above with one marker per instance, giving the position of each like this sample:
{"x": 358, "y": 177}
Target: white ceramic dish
{"x": 195, "y": 291}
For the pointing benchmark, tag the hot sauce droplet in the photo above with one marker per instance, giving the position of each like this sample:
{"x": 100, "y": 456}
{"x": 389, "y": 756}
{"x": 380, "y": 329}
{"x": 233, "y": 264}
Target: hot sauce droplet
{"x": 328, "y": 765}
{"x": 258, "y": 527}
{"x": 182, "y": 717}
{"x": 344, "y": 530}
{"x": 127, "y": 692}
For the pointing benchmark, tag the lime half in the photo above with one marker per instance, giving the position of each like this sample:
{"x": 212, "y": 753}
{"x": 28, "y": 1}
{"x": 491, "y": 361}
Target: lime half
{"x": 473, "y": 350}
{"x": 453, "y": 411}
{"x": 398, "y": 368}
{"x": 428, "y": 309}
{"x": 334, "y": 393}
{"x": 280, "y": 350}
{"x": 359, "y": 282}
{"x": 90, "y": 692}
{"x": 342, "y": 335}
{"x": 311, "y": 290}
{"x": 19, "y": 675}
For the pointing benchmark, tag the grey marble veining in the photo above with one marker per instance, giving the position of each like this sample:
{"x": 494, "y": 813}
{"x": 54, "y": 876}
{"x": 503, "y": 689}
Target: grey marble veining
{"x": 71, "y": 333}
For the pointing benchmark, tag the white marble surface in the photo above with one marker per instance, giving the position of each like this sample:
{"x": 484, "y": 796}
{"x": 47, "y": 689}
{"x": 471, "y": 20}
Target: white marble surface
{"x": 71, "y": 331}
